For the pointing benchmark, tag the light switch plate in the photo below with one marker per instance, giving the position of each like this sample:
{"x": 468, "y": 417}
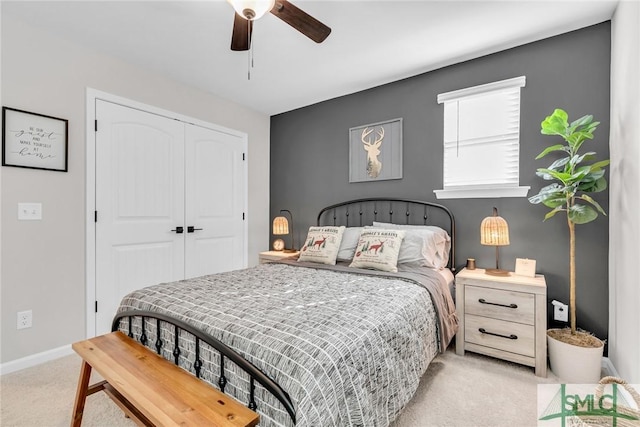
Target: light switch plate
{"x": 29, "y": 211}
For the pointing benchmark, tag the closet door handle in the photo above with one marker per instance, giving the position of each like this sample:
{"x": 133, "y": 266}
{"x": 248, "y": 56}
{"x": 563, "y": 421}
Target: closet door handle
{"x": 178, "y": 230}
{"x": 191, "y": 229}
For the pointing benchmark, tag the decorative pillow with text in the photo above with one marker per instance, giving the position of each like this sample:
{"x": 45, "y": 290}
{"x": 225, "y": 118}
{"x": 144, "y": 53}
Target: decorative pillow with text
{"x": 322, "y": 245}
{"x": 378, "y": 249}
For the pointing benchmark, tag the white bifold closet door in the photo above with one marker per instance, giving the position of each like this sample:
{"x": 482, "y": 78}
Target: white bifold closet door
{"x": 215, "y": 197}
{"x": 170, "y": 202}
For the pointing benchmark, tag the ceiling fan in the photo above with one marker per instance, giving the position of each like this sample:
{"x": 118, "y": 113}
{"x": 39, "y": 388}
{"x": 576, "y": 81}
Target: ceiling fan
{"x": 248, "y": 11}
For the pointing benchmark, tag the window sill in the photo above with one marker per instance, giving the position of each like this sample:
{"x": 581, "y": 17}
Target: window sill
{"x": 482, "y": 193}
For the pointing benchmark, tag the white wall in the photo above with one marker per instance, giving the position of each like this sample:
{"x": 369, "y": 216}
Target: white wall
{"x": 624, "y": 229}
{"x": 43, "y": 262}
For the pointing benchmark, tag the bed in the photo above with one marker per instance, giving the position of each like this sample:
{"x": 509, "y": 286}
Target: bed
{"x": 307, "y": 343}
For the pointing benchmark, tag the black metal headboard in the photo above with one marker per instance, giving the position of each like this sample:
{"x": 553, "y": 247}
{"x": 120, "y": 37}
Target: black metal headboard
{"x": 361, "y": 212}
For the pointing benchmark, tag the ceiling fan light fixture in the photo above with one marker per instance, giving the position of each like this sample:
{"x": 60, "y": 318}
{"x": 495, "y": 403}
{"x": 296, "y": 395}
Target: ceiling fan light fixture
{"x": 252, "y": 9}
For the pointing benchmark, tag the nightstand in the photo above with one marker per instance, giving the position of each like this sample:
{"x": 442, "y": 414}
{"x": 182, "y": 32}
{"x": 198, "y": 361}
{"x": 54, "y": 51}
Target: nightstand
{"x": 268, "y": 256}
{"x": 503, "y": 317}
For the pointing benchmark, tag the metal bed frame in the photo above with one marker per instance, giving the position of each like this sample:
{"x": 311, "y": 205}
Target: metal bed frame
{"x": 351, "y": 213}
{"x": 356, "y": 213}
{"x": 180, "y": 328}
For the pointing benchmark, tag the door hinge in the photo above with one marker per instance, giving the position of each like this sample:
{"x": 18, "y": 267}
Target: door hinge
{"x": 243, "y": 158}
{"x": 243, "y": 216}
{"x": 96, "y": 125}
{"x": 96, "y": 306}
{"x": 95, "y": 216}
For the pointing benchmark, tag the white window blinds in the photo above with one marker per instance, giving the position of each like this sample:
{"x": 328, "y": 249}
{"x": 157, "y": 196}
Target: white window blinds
{"x": 482, "y": 140}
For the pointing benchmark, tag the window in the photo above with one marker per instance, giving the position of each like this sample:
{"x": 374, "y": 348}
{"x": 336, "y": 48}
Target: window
{"x": 482, "y": 141}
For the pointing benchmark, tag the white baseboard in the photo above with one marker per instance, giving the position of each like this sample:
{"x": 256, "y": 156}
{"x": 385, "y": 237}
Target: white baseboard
{"x": 35, "y": 359}
{"x": 608, "y": 369}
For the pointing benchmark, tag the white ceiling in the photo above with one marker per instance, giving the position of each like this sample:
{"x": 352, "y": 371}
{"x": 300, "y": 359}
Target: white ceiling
{"x": 371, "y": 43}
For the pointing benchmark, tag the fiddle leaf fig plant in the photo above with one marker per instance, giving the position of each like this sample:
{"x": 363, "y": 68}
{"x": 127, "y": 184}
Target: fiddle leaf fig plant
{"x": 573, "y": 175}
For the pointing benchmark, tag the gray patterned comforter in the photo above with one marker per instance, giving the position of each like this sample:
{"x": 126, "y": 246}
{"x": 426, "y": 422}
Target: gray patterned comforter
{"x": 349, "y": 348}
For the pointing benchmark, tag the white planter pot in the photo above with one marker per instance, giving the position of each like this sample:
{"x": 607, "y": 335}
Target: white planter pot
{"x": 574, "y": 364}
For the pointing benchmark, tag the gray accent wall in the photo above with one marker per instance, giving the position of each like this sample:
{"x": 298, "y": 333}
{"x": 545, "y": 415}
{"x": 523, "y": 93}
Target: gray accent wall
{"x": 310, "y": 157}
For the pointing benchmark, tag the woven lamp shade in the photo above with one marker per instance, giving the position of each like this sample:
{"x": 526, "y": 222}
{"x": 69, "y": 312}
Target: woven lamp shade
{"x": 280, "y": 226}
{"x": 494, "y": 230}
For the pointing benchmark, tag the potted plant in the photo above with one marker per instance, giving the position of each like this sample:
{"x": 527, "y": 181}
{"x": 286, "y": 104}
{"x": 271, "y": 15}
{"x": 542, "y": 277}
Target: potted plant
{"x": 574, "y": 355}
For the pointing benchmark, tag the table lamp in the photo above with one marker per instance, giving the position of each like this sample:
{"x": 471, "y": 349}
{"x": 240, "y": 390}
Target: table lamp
{"x": 281, "y": 228}
{"x": 494, "y": 231}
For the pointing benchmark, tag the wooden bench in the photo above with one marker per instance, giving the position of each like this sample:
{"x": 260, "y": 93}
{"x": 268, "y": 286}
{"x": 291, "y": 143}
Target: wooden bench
{"x": 151, "y": 390}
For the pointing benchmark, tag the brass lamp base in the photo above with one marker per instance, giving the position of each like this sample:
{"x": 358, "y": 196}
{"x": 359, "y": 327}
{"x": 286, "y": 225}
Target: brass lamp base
{"x": 496, "y": 272}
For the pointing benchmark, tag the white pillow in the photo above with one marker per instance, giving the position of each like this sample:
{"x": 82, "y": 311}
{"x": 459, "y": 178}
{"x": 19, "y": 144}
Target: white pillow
{"x": 378, "y": 249}
{"x": 423, "y": 245}
{"x": 321, "y": 245}
{"x": 349, "y": 243}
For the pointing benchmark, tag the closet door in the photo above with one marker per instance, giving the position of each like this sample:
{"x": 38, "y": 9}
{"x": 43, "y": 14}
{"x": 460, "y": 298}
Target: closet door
{"x": 140, "y": 191}
{"x": 215, "y": 199}
{"x": 170, "y": 203}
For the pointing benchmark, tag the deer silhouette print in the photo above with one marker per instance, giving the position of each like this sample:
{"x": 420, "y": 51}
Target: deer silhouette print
{"x": 376, "y": 248}
{"x": 374, "y": 166}
{"x": 319, "y": 242}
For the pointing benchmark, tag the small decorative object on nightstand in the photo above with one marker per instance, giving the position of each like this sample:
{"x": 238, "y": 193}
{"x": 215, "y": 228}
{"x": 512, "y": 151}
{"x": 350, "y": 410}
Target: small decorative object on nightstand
{"x": 269, "y": 256}
{"x": 526, "y": 267}
{"x": 503, "y": 317}
{"x": 278, "y": 245}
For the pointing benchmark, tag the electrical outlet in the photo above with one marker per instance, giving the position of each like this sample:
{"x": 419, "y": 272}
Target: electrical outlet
{"x": 560, "y": 311}
{"x": 25, "y": 319}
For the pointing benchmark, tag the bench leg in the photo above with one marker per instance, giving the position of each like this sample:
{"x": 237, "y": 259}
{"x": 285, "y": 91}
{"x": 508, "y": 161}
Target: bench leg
{"x": 81, "y": 394}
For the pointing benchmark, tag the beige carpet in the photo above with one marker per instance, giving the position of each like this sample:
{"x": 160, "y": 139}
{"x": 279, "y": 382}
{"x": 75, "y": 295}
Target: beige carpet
{"x": 456, "y": 391}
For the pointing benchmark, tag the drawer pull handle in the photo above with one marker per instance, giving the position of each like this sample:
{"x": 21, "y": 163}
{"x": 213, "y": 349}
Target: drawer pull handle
{"x": 511, "y": 337}
{"x": 483, "y": 301}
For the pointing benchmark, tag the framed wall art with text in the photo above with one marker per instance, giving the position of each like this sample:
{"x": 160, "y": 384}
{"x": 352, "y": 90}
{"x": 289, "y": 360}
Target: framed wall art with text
{"x": 34, "y": 141}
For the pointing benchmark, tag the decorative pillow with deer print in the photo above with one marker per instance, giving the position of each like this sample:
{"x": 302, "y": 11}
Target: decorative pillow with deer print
{"x": 322, "y": 245}
{"x": 378, "y": 249}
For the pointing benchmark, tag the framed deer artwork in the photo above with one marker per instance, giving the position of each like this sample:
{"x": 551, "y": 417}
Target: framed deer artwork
{"x": 375, "y": 151}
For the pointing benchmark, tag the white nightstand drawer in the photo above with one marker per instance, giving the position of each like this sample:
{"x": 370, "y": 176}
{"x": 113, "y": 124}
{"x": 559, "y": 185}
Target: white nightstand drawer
{"x": 500, "y": 334}
{"x": 513, "y": 306}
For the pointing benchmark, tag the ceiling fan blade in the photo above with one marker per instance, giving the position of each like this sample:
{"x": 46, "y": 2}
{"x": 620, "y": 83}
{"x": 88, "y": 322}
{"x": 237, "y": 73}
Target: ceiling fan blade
{"x": 242, "y": 30}
{"x": 301, "y": 21}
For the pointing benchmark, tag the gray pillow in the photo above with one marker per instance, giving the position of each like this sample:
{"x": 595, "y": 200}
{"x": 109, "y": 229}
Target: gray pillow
{"x": 349, "y": 242}
{"x": 423, "y": 245}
